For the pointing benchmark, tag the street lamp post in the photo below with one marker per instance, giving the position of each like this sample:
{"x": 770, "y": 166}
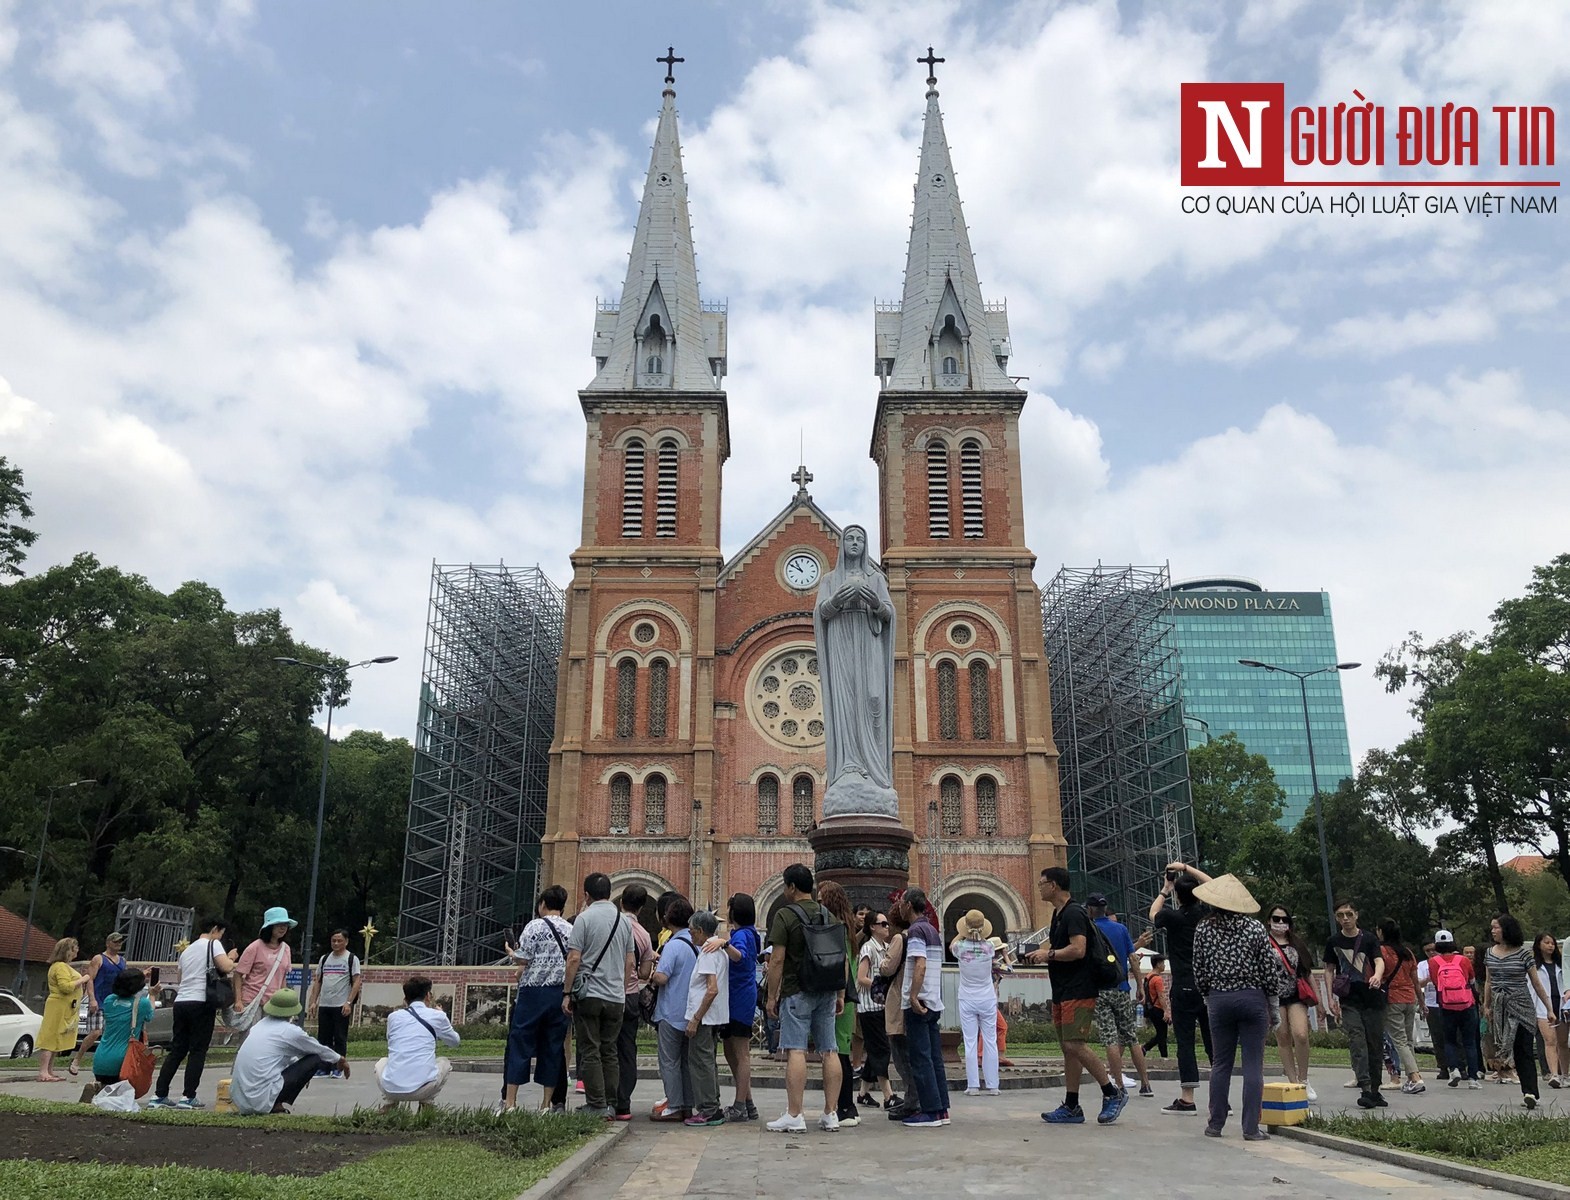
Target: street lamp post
{"x": 1302, "y": 678}
{"x": 38, "y": 873}
{"x": 334, "y": 676}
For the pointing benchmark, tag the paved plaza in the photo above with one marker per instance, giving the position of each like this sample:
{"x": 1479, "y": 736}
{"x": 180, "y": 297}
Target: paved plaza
{"x": 997, "y": 1146}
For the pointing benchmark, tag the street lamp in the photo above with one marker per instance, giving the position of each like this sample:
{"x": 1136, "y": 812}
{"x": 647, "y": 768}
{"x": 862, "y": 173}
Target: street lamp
{"x": 333, "y": 673}
{"x": 38, "y": 870}
{"x": 1302, "y": 678}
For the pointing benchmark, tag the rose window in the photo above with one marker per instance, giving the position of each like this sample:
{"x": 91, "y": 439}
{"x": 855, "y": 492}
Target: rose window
{"x": 785, "y": 698}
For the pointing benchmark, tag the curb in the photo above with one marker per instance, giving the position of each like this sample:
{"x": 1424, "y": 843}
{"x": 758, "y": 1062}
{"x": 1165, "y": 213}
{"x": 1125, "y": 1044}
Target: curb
{"x": 1520, "y": 1185}
{"x": 573, "y": 1168}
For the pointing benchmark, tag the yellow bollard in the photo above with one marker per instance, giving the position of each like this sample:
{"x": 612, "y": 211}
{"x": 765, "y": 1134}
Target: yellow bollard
{"x": 223, "y": 1104}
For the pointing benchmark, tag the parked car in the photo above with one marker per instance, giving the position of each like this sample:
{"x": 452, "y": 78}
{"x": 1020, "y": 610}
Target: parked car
{"x": 160, "y": 1030}
{"x": 19, "y": 1026}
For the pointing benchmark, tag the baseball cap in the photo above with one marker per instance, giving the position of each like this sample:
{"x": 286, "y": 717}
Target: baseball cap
{"x": 116, "y": 937}
{"x": 1095, "y": 900}
{"x": 1443, "y": 937}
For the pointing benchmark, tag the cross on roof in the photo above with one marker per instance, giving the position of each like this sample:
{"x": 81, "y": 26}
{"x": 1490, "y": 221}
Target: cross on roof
{"x": 670, "y": 60}
{"x": 931, "y": 62}
{"x": 801, "y": 478}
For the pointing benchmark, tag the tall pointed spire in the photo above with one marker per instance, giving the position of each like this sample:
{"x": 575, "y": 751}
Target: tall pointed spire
{"x": 660, "y": 336}
{"x": 942, "y": 335}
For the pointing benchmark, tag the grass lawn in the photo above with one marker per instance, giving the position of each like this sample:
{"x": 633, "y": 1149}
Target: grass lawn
{"x": 462, "y": 1152}
{"x": 1515, "y": 1143}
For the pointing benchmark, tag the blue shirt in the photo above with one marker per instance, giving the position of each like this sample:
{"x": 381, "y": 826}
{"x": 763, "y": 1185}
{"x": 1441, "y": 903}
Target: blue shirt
{"x": 108, "y": 972}
{"x": 676, "y": 963}
{"x": 1122, "y": 944}
{"x": 744, "y": 975}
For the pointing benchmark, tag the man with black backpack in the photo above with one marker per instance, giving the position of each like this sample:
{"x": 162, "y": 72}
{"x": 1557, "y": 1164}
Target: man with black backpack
{"x": 1075, "y": 955}
{"x": 806, "y": 986}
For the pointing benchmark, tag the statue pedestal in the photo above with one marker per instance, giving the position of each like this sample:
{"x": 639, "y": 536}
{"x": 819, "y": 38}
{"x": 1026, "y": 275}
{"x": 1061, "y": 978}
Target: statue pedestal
{"x": 868, "y": 856}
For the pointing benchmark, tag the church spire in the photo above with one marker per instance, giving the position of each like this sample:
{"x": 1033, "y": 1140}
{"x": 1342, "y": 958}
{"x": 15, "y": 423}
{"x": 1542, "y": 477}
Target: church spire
{"x": 941, "y": 336}
{"x": 660, "y": 337}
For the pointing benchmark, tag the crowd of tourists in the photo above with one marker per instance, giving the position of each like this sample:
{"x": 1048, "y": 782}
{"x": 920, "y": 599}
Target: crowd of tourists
{"x": 859, "y": 989}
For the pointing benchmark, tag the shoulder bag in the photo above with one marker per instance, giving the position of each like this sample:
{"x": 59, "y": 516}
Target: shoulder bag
{"x": 580, "y": 981}
{"x": 1305, "y": 990}
{"x": 649, "y": 996}
{"x": 137, "y": 1067}
{"x": 244, "y": 1018}
{"x": 220, "y": 987}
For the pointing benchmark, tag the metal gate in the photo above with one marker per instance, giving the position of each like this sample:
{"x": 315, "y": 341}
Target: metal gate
{"x": 151, "y": 929}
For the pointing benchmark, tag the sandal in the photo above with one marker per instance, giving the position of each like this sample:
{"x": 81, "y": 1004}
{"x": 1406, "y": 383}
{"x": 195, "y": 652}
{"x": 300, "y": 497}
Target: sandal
{"x": 71, "y": 1067}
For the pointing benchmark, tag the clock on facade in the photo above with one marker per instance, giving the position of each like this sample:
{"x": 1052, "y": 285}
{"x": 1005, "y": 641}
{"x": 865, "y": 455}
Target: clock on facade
{"x": 801, "y": 571}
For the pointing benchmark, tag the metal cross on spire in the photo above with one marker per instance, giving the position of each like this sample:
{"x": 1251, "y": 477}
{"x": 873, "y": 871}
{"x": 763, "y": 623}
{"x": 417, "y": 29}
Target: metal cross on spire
{"x": 670, "y": 60}
{"x": 931, "y": 62}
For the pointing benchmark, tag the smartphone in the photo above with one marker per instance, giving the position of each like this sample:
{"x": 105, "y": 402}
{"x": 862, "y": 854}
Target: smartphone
{"x": 1029, "y": 947}
{"x": 1171, "y": 876}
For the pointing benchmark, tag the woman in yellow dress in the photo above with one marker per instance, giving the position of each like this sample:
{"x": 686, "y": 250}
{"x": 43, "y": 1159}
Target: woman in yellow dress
{"x": 57, "y": 1035}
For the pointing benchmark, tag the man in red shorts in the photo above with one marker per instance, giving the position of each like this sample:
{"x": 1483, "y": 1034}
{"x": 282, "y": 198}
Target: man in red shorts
{"x": 1074, "y": 992}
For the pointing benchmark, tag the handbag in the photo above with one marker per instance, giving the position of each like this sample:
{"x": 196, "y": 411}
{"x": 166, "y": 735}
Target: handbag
{"x": 137, "y": 1067}
{"x": 252, "y": 1012}
{"x": 1305, "y": 990}
{"x": 649, "y": 995}
{"x": 220, "y": 987}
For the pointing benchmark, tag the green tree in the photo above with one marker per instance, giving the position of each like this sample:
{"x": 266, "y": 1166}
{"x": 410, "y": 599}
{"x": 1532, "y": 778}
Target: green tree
{"x": 14, "y": 538}
{"x": 1234, "y": 793}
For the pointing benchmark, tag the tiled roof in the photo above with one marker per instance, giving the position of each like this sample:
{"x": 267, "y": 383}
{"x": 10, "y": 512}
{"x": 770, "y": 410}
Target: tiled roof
{"x": 39, "y": 946}
{"x": 1526, "y": 864}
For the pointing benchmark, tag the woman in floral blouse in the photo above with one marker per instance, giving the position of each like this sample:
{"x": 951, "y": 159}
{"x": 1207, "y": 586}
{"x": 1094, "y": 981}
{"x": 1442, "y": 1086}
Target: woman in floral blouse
{"x": 1236, "y": 970}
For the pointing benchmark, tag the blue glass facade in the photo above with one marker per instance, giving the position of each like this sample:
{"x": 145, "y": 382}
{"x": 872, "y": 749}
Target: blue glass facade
{"x": 1219, "y": 621}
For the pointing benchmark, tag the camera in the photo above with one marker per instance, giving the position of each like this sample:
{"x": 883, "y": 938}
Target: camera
{"x": 1172, "y": 876}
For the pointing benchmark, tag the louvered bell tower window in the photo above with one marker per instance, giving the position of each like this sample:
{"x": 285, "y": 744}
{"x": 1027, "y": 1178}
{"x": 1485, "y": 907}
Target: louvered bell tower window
{"x": 971, "y": 499}
{"x": 937, "y": 489}
{"x": 632, "y": 490}
{"x": 665, "y": 494}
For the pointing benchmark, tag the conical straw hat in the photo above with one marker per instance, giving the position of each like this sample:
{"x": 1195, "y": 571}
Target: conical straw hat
{"x": 1227, "y": 892}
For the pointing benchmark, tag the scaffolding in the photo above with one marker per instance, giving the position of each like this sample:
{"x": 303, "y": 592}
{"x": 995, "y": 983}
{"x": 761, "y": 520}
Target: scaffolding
{"x": 482, "y": 753}
{"x": 1117, "y": 717}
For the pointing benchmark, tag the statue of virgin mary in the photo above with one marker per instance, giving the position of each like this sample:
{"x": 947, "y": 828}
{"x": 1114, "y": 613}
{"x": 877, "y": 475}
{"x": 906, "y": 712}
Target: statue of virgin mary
{"x": 853, "y": 622}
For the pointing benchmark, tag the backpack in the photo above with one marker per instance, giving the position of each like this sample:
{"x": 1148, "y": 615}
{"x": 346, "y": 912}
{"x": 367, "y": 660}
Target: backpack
{"x": 823, "y": 966}
{"x": 1101, "y": 959}
{"x": 1450, "y": 983}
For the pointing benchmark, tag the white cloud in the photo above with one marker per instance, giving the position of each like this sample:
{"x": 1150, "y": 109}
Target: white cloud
{"x": 1234, "y": 337}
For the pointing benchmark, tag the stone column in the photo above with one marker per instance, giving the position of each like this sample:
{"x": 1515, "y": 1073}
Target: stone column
{"x": 867, "y": 856}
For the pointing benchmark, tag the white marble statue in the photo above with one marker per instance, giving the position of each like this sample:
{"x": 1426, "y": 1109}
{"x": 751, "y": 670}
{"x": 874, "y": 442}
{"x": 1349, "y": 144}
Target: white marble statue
{"x": 853, "y": 622}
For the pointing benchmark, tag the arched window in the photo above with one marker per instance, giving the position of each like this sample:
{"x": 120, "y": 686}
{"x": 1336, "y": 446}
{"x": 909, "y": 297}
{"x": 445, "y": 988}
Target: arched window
{"x": 803, "y": 812}
{"x": 632, "y": 489}
{"x": 972, "y": 503}
{"x": 654, "y": 365}
{"x": 980, "y": 701}
{"x": 768, "y": 804}
{"x": 948, "y": 701}
{"x": 621, "y": 804}
{"x": 986, "y": 805}
{"x": 950, "y": 365}
{"x": 654, "y": 346}
{"x": 948, "y": 805}
{"x": 654, "y": 804}
{"x": 665, "y": 494}
{"x": 626, "y": 697}
{"x": 659, "y": 696}
{"x": 937, "y": 489}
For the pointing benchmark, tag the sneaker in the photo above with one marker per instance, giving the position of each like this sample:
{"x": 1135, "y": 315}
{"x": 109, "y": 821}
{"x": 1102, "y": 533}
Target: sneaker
{"x": 556, "y": 1110}
{"x": 752, "y": 1111}
{"x": 1212, "y": 1131}
{"x": 1262, "y": 1136}
{"x": 323, "y": 1073}
{"x": 1475, "y": 1085}
{"x": 705, "y": 1119}
{"x": 1129, "y": 1081}
{"x": 160, "y": 1102}
{"x": 1353, "y": 1083}
{"x": 895, "y": 1101}
{"x": 1529, "y": 1100}
{"x": 921, "y": 1121}
{"x": 189, "y": 1102}
{"x": 737, "y": 1112}
{"x": 1313, "y": 1095}
{"x": 622, "y": 1116}
{"x": 829, "y": 1123}
{"x": 1455, "y": 1081}
{"x": 1112, "y": 1106}
{"x": 1366, "y": 1100}
{"x": 850, "y": 1121}
{"x": 1555, "y": 1082}
{"x": 1379, "y": 1100}
{"x": 1147, "y": 1091}
{"x": 1181, "y": 1106}
{"x": 335, "y": 1074}
{"x": 1413, "y": 1088}
{"x": 788, "y": 1124}
{"x": 972, "y": 1091}
{"x": 1064, "y": 1115}
{"x": 992, "y": 1092}
{"x": 943, "y": 1117}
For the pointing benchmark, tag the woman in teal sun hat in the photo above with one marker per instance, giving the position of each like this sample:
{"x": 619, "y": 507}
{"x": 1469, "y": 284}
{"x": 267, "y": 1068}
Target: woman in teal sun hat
{"x": 264, "y": 966}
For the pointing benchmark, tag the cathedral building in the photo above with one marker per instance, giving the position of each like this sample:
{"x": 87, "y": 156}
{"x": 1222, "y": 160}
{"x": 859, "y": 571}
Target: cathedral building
{"x": 688, "y": 749}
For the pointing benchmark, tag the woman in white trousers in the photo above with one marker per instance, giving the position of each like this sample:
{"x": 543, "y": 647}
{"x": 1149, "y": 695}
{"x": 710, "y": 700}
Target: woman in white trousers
{"x": 978, "y": 1002}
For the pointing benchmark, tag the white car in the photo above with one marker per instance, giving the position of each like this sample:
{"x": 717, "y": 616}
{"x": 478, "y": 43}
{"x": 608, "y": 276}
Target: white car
{"x": 19, "y": 1026}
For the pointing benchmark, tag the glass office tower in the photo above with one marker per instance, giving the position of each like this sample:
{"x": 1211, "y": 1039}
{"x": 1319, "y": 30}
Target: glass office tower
{"x": 1221, "y": 620}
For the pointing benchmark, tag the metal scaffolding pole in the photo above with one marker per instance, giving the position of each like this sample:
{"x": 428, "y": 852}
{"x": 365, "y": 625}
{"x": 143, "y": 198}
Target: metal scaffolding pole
{"x": 1117, "y": 717}
{"x": 477, "y": 802}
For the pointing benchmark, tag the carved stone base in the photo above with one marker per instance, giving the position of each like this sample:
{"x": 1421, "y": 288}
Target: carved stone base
{"x": 867, "y": 856}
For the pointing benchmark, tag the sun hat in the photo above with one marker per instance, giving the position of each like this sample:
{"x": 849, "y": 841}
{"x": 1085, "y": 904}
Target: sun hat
{"x": 1227, "y": 892}
{"x": 285, "y": 1002}
{"x": 974, "y": 925}
{"x": 277, "y": 916}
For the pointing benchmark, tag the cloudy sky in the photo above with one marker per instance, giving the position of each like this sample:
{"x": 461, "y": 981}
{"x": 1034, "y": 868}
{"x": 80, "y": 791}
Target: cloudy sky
{"x": 296, "y": 298}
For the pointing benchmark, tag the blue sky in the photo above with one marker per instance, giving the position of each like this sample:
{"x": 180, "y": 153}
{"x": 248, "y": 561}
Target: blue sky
{"x": 296, "y": 298}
